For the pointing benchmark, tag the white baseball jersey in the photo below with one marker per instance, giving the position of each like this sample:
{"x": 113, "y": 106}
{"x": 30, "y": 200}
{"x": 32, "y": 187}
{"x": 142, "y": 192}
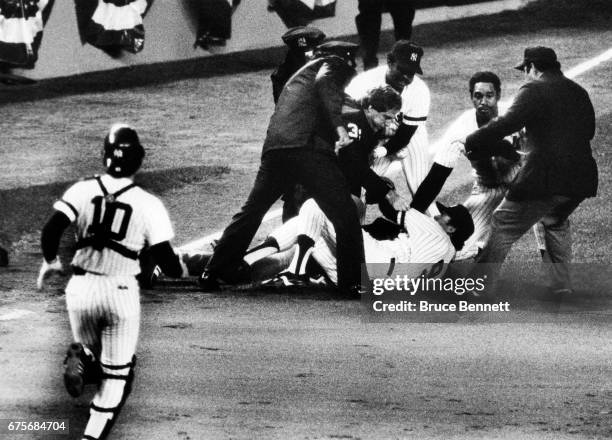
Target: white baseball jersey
{"x": 425, "y": 242}
{"x": 104, "y": 302}
{"x": 491, "y": 179}
{"x": 134, "y": 219}
{"x": 415, "y": 162}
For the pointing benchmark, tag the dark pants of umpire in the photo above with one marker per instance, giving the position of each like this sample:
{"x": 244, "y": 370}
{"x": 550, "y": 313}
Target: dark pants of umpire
{"x": 322, "y": 178}
{"x": 512, "y": 219}
{"x": 369, "y": 20}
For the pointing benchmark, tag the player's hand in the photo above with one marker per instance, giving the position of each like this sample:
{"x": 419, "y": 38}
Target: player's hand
{"x": 379, "y": 151}
{"x": 47, "y": 269}
{"x": 390, "y": 128}
{"x": 458, "y": 147}
{"x": 397, "y": 201}
{"x": 343, "y": 138}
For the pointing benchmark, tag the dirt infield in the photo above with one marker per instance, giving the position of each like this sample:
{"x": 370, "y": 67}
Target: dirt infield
{"x": 302, "y": 365}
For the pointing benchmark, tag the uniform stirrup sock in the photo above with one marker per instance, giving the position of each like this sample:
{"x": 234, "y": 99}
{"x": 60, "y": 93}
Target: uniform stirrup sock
{"x": 301, "y": 257}
{"x": 268, "y": 247}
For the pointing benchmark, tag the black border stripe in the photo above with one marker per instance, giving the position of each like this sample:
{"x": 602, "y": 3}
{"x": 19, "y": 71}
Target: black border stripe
{"x": 402, "y": 218}
{"x": 72, "y": 208}
{"x": 115, "y": 376}
{"x": 104, "y": 410}
{"x": 408, "y": 118}
{"x": 117, "y": 367}
{"x": 391, "y": 267}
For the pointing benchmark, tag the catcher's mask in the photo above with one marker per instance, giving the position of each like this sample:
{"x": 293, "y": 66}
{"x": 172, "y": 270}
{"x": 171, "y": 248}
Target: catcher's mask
{"x": 123, "y": 152}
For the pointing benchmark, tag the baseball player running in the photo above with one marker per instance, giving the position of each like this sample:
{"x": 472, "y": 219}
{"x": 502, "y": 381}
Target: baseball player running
{"x": 492, "y": 174}
{"x": 410, "y": 145}
{"x": 115, "y": 219}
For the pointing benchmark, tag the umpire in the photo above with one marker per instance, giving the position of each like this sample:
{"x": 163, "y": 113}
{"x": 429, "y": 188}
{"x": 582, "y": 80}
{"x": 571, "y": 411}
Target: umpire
{"x": 559, "y": 170}
{"x": 299, "y": 148}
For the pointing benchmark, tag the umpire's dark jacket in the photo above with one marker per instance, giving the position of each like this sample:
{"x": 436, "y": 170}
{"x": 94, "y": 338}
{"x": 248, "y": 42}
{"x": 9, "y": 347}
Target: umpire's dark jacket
{"x": 559, "y": 121}
{"x": 310, "y": 106}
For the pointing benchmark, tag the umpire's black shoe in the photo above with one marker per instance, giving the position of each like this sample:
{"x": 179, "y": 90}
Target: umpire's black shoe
{"x": 74, "y": 370}
{"x": 208, "y": 282}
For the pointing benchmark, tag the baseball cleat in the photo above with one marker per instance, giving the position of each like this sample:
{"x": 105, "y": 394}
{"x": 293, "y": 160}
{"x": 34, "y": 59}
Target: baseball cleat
{"x": 74, "y": 370}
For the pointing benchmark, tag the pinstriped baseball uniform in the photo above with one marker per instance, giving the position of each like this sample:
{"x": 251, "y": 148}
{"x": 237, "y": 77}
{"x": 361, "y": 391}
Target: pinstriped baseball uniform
{"x": 414, "y": 160}
{"x": 103, "y": 297}
{"x": 492, "y": 177}
{"x": 425, "y": 241}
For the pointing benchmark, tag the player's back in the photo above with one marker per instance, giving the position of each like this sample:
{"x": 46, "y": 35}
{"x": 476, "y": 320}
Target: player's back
{"x": 115, "y": 219}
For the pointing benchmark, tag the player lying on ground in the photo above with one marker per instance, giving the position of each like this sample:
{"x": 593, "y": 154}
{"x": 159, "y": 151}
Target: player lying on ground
{"x": 427, "y": 243}
{"x": 412, "y": 237}
{"x": 415, "y": 238}
{"x": 114, "y": 219}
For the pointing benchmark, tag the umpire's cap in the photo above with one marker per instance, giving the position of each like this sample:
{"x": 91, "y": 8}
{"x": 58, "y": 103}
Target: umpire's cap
{"x": 303, "y": 38}
{"x": 461, "y": 219}
{"x": 542, "y": 56}
{"x": 343, "y": 49}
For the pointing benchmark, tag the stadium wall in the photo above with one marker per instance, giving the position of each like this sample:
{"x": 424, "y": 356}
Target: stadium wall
{"x": 170, "y": 32}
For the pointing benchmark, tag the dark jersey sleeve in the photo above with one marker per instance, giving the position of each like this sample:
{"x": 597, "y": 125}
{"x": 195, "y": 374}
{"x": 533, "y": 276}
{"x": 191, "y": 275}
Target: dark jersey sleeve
{"x": 52, "y": 233}
{"x": 167, "y": 259}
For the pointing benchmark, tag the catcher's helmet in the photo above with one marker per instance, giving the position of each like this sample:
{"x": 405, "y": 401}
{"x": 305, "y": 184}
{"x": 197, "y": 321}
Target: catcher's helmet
{"x": 123, "y": 153}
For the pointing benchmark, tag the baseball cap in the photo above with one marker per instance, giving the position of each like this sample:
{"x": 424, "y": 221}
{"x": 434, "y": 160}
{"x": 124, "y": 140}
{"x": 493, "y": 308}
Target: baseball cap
{"x": 407, "y": 56}
{"x": 538, "y": 54}
{"x": 342, "y": 49}
{"x": 461, "y": 219}
{"x": 303, "y": 37}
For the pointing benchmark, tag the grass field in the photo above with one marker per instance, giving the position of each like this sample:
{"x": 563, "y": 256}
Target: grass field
{"x": 277, "y": 365}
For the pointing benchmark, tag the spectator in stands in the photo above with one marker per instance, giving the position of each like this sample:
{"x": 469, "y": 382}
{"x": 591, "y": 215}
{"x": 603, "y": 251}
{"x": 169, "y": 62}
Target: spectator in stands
{"x": 369, "y": 20}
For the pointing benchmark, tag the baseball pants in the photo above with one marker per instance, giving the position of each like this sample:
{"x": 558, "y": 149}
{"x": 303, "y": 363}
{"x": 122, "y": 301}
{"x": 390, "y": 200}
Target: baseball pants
{"x": 481, "y": 204}
{"x": 512, "y": 219}
{"x": 104, "y": 314}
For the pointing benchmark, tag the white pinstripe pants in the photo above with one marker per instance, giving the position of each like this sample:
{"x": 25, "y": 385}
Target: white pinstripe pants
{"x": 104, "y": 314}
{"x": 481, "y": 204}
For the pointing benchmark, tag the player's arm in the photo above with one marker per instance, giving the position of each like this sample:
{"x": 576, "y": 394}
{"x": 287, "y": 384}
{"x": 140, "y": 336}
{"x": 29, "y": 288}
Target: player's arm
{"x": 159, "y": 233}
{"x": 354, "y": 163}
{"x": 329, "y": 84}
{"x": 52, "y": 233}
{"x": 415, "y": 109}
{"x": 49, "y": 242}
{"x": 500, "y": 147}
{"x": 168, "y": 261}
{"x": 444, "y": 162}
{"x": 401, "y": 138}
